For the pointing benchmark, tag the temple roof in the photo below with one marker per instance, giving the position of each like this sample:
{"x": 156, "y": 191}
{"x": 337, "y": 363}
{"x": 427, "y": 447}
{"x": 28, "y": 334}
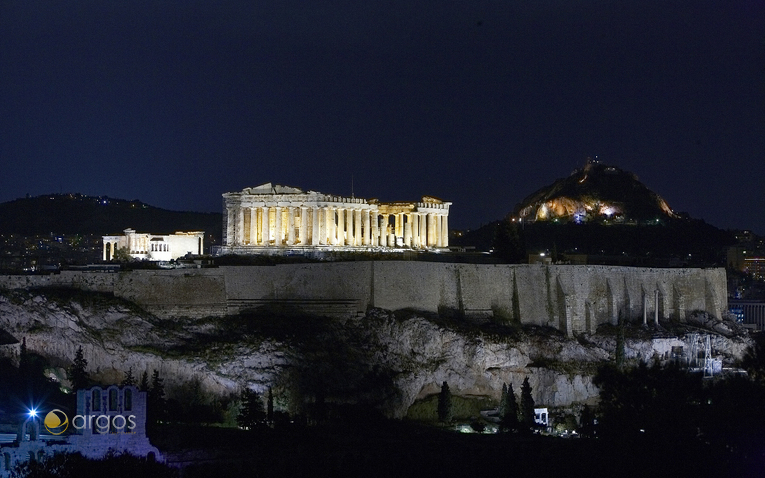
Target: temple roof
{"x": 268, "y": 188}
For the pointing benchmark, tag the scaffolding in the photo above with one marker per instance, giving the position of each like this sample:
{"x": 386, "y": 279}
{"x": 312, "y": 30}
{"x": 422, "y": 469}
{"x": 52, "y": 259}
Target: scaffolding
{"x": 709, "y": 366}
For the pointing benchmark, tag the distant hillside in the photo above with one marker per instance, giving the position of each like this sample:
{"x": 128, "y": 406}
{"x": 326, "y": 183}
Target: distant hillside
{"x": 79, "y": 214}
{"x": 607, "y": 214}
{"x": 597, "y": 192}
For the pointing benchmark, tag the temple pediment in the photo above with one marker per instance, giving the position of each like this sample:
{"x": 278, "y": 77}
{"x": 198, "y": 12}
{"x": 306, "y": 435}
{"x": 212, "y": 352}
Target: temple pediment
{"x": 268, "y": 188}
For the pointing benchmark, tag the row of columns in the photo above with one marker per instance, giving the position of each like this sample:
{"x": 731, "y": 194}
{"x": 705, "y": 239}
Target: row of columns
{"x": 108, "y": 251}
{"x": 335, "y": 226}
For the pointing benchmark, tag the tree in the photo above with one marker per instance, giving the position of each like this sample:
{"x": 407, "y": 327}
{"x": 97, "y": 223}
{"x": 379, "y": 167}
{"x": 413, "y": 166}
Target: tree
{"x": 503, "y": 401}
{"x": 445, "y": 404}
{"x": 270, "y": 409}
{"x": 155, "y": 400}
{"x": 122, "y": 255}
{"x": 251, "y": 412}
{"x": 509, "y": 419}
{"x": 587, "y": 423}
{"x": 77, "y": 374}
{"x": 663, "y": 403}
{"x": 754, "y": 358}
{"x": 144, "y": 382}
{"x": 527, "y": 405}
{"x": 508, "y": 242}
{"x": 129, "y": 379}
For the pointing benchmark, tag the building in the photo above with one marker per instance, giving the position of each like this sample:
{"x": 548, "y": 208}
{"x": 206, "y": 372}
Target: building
{"x": 108, "y": 420}
{"x": 748, "y": 312}
{"x": 154, "y": 247}
{"x": 755, "y": 266}
{"x": 273, "y": 218}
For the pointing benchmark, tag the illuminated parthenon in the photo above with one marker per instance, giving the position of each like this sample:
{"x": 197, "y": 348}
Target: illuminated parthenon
{"x": 273, "y": 216}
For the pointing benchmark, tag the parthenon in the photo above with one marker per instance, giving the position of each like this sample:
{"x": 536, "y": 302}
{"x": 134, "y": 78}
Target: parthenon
{"x": 270, "y": 216}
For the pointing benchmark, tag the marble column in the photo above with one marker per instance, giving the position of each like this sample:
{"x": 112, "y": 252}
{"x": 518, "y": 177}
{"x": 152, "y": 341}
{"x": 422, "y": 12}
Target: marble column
{"x": 240, "y": 227}
{"x": 349, "y": 226}
{"x": 230, "y": 217}
{"x": 340, "y": 226}
{"x": 415, "y": 229}
{"x": 408, "y": 231}
{"x": 332, "y": 233}
{"x": 321, "y": 213}
{"x": 439, "y": 236}
{"x": 357, "y": 241}
{"x": 431, "y": 219}
{"x": 278, "y": 226}
{"x": 445, "y": 231}
{"x": 291, "y": 226}
{"x": 266, "y": 226}
{"x": 375, "y": 241}
{"x": 253, "y": 226}
{"x": 330, "y": 226}
{"x": 315, "y": 226}
{"x": 303, "y": 225}
{"x": 367, "y": 232}
{"x": 423, "y": 230}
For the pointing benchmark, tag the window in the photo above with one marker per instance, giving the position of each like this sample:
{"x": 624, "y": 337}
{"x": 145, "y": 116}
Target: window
{"x": 96, "y": 400}
{"x": 128, "y": 399}
{"x": 112, "y": 400}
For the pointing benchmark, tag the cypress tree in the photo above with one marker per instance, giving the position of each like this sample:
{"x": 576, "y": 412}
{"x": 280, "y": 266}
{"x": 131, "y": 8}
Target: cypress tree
{"x": 527, "y": 405}
{"x": 445, "y": 404}
{"x": 77, "y": 374}
{"x": 251, "y": 413}
{"x": 503, "y": 402}
{"x": 587, "y": 423}
{"x": 509, "y": 420}
{"x": 155, "y": 400}
{"x": 270, "y": 410}
{"x": 129, "y": 379}
{"x": 144, "y": 382}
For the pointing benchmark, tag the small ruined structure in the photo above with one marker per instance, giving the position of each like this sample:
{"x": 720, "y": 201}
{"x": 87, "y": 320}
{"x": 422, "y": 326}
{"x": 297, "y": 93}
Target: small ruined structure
{"x": 273, "y": 218}
{"x": 111, "y": 419}
{"x": 154, "y": 247}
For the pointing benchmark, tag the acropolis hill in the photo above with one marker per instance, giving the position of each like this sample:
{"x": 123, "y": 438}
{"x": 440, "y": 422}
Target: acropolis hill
{"x": 382, "y": 318}
{"x": 272, "y": 218}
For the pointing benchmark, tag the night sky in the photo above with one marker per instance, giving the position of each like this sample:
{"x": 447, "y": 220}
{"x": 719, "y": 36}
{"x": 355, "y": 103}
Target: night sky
{"x": 479, "y": 103}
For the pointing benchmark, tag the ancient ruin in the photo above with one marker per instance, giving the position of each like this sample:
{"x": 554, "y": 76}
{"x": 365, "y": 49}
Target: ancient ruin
{"x": 154, "y": 247}
{"x": 273, "y": 218}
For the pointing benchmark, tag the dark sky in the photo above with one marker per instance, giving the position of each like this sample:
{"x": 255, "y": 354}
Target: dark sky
{"x": 477, "y": 102}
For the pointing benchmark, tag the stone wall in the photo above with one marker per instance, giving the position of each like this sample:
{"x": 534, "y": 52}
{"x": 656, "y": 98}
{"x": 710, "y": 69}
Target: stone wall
{"x": 568, "y": 297}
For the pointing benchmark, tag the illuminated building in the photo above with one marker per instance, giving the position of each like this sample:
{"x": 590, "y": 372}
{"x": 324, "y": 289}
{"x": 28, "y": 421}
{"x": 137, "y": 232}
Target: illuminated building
{"x": 154, "y": 247}
{"x": 273, "y": 218}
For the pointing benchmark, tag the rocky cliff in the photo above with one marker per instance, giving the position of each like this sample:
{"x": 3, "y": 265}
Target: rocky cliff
{"x": 383, "y": 359}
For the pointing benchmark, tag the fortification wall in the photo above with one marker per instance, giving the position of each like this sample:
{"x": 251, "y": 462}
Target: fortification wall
{"x": 94, "y": 281}
{"x": 568, "y": 297}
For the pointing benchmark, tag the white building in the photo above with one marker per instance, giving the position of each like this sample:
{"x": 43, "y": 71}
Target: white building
{"x": 272, "y": 217}
{"x": 154, "y": 247}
